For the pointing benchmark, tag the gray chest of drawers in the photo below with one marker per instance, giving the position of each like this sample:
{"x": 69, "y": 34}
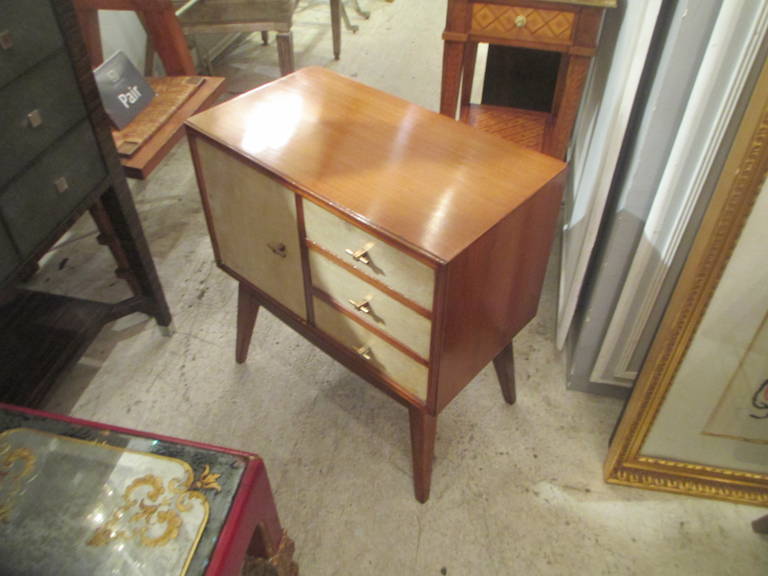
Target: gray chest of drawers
{"x": 57, "y": 160}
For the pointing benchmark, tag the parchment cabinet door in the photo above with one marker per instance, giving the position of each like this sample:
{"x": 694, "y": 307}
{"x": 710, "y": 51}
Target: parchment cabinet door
{"x": 253, "y": 221}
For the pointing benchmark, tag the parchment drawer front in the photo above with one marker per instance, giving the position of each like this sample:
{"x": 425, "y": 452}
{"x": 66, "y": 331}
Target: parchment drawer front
{"x": 408, "y": 373}
{"x": 371, "y": 304}
{"x": 523, "y": 23}
{"x": 36, "y": 110}
{"x": 254, "y": 225}
{"x": 28, "y": 33}
{"x": 8, "y": 256}
{"x": 47, "y": 192}
{"x": 387, "y": 264}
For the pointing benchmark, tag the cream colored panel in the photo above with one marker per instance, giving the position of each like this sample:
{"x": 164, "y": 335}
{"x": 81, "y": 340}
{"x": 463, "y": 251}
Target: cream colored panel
{"x": 387, "y": 264}
{"x": 387, "y": 314}
{"x": 408, "y": 373}
{"x": 254, "y": 221}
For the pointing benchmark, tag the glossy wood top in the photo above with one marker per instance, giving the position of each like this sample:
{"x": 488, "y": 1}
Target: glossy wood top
{"x": 422, "y": 178}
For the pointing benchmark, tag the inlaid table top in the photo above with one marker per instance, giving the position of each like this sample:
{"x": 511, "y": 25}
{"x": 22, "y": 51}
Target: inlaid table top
{"x": 78, "y": 500}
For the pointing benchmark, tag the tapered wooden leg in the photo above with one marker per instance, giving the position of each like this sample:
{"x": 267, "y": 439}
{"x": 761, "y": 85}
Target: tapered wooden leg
{"x": 504, "y": 364}
{"x": 265, "y": 37}
{"x": 453, "y": 56}
{"x": 247, "y": 309}
{"x": 336, "y": 27}
{"x": 285, "y": 52}
{"x": 568, "y": 99}
{"x": 423, "y": 430}
{"x": 468, "y": 76}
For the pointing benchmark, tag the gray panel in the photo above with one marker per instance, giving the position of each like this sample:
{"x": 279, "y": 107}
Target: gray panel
{"x": 32, "y": 205}
{"x": 30, "y": 35}
{"x": 637, "y": 180}
{"x": 48, "y": 92}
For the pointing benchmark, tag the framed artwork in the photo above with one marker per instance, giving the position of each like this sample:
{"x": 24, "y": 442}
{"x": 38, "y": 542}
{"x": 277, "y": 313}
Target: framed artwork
{"x": 697, "y": 421}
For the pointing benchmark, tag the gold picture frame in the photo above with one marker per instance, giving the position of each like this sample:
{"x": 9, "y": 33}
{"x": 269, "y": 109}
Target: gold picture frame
{"x": 635, "y": 457}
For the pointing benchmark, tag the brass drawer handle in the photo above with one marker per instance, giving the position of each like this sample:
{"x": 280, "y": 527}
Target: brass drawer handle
{"x": 278, "y": 248}
{"x": 364, "y": 352}
{"x": 521, "y": 21}
{"x": 35, "y": 118}
{"x": 61, "y": 184}
{"x": 361, "y": 255}
{"x": 364, "y": 306}
{"x": 6, "y": 40}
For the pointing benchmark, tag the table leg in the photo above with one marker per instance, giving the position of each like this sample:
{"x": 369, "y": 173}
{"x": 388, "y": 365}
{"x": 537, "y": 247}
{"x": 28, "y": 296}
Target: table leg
{"x": 568, "y": 105}
{"x": 423, "y": 431}
{"x": 453, "y": 56}
{"x": 504, "y": 363}
{"x": 336, "y": 27}
{"x": 285, "y": 53}
{"x": 247, "y": 309}
{"x": 107, "y": 238}
{"x": 467, "y": 77}
{"x": 124, "y": 221}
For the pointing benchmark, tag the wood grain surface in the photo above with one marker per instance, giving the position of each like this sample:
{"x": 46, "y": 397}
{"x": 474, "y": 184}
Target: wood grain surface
{"x": 423, "y": 179}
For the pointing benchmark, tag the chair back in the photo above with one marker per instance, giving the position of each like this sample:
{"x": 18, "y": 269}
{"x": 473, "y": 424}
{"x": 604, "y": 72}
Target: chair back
{"x": 159, "y": 21}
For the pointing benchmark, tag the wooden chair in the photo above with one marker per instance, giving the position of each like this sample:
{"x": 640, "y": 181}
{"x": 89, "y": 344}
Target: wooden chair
{"x": 164, "y": 31}
{"x": 248, "y": 16}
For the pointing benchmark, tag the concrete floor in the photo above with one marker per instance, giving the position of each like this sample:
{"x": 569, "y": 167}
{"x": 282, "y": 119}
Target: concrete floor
{"x": 515, "y": 490}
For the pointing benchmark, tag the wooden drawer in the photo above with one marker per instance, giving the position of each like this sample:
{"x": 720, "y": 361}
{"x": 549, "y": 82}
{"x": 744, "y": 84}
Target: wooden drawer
{"x": 28, "y": 34}
{"x": 8, "y": 256}
{"x": 396, "y": 319}
{"x": 253, "y": 224}
{"x": 405, "y": 371}
{"x": 387, "y": 264}
{"x": 523, "y": 23}
{"x": 33, "y": 206}
{"x": 36, "y": 110}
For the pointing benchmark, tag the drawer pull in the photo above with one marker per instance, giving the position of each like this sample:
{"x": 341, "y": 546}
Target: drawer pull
{"x": 35, "y": 118}
{"x": 61, "y": 184}
{"x": 364, "y": 352}
{"x": 278, "y": 248}
{"x": 521, "y": 21}
{"x": 361, "y": 255}
{"x": 364, "y": 306}
{"x": 6, "y": 40}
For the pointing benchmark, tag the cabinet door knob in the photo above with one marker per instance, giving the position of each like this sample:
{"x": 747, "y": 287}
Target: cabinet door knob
{"x": 361, "y": 255}
{"x": 61, "y": 184}
{"x": 364, "y": 306}
{"x": 521, "y": 21}
{"x": 6, "y": 40}
{"x": 35, "y": 118}
{"x": 364, "y": 352}
{"x": 278, "y": 248}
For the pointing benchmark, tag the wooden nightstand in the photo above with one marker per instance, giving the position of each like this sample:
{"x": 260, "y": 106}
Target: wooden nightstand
{"x": 408, "y": 246}
{"x": 569, "y": 27}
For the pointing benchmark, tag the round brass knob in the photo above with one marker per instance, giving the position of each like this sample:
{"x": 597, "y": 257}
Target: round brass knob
{"x": 521, "y": 21}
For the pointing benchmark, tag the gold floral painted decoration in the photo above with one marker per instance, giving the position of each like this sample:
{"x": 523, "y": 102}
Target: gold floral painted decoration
{"x": 16, "y": 467}
{"x": 149, "y": 507}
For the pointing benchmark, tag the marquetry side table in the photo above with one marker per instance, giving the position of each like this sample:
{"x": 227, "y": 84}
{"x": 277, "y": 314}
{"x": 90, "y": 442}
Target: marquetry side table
{"x": 570, "y": 27}
{"x": 79, "y": 497}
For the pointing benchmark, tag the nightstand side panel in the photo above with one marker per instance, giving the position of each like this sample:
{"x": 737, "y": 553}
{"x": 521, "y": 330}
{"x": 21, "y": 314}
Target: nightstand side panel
{"x": 492, "y": 290}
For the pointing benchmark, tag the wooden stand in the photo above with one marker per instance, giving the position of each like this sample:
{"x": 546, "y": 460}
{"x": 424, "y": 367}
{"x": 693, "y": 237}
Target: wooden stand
{"x": 414, "y": 292}
{"x": 43, "y": 334}
{"x": 570, "y": 28}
